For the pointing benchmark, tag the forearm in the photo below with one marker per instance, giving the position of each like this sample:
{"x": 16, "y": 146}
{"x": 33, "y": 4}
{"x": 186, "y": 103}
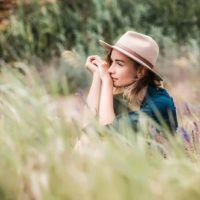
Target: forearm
{"x": 106, "y": 109}
{"x": 93, "y": 97}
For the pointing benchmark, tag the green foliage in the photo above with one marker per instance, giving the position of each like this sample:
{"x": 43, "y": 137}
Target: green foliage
{"x": 62, "y": 78}
{"x": 46, "y": 156}
{"x": 47, "y": 30}
{"x": 59, "y": 76}
{"x": 179, "y": 19}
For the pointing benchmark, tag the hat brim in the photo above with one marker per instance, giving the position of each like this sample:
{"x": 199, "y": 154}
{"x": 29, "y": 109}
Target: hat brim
{"x": 108, "y": 46}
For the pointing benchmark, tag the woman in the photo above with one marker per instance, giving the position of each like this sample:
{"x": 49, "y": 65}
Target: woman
{"x": 129, "y": 71}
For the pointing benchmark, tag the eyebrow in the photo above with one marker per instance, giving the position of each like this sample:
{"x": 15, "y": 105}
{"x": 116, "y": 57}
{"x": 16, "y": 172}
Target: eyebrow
{"x": 118, "y": 60}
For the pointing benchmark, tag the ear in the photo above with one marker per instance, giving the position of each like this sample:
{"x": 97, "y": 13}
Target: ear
{"x": 141, "y": 72}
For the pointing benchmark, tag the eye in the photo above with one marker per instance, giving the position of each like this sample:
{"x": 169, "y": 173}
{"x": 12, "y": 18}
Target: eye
{"x": 120, "y": 64}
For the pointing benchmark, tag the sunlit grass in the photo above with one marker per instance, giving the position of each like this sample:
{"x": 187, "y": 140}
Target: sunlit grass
{"x": 45, "y": 156}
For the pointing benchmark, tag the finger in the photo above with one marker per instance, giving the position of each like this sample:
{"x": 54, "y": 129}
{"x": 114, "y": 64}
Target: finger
{"x": 93, "y": 57}
{"x": 95, "y": 62}
{"x": 104, "y": 65}
{"x": 99, "y": 61}
{"x": 102, "y": 69}
{"x": 90, "y": 60}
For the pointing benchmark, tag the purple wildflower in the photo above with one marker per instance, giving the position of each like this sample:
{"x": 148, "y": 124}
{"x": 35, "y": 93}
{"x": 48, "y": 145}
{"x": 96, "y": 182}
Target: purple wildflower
{"x": 186, "y": 135}
{"x": 187, "y": 108}
{"x": 80, "y": 96}
{"x": 196, "y": 132}
{"x": 196, "y": 127}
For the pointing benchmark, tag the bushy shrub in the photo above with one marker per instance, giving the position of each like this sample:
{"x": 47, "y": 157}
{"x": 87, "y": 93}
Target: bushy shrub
{"x": 47, "y": 30}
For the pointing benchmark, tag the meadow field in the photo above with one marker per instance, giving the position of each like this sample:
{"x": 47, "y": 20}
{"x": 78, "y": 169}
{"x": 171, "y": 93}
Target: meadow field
{"x": 45, "y": 153}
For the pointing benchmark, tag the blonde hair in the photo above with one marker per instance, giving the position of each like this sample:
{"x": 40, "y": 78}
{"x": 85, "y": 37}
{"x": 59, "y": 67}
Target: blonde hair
{"x": 134, "y": 93}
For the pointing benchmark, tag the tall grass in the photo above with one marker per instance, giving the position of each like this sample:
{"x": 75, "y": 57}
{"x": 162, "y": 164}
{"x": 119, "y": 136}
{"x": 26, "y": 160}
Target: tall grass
{"x": 45, "y": 156}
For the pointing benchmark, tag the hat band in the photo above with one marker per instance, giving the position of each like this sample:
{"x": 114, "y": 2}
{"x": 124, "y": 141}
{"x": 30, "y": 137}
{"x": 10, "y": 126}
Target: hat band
{"x": 134, "y": 54}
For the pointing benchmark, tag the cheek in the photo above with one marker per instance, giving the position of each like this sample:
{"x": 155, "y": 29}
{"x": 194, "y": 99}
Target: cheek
{"x": 126, "y": 76}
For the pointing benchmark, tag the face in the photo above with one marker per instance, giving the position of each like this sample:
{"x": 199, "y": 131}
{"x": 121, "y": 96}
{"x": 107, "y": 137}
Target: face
{"x": 122, "y": 69}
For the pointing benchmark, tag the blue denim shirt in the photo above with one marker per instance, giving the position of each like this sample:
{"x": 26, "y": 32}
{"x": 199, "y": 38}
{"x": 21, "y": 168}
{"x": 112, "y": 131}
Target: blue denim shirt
{"x": 158, "y": 105}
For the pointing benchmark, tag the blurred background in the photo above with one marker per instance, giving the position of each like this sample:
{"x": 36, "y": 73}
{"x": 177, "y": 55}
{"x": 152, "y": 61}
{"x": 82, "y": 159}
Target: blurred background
{"x": 42, "y": 155}
{"x": 36, "y": 32}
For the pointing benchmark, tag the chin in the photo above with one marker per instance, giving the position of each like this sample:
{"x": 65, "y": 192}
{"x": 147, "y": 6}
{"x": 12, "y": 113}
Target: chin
{"x": 121, "y": 85}
{"x": 117, "y": 85}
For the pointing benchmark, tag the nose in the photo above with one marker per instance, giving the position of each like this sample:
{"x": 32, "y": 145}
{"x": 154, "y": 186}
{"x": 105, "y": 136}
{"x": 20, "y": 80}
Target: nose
{"x": 111, "y": 69}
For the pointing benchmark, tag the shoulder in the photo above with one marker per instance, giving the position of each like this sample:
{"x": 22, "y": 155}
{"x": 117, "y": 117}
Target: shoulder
{"x": 158, "y": 97}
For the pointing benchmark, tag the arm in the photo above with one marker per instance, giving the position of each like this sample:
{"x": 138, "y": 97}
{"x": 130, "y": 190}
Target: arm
{"x": 94, "y": 93}
{"x": 106, "y": 108}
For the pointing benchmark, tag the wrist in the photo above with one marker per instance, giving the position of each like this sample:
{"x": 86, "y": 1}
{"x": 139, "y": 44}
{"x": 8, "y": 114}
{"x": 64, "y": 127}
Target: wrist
{"x": 96, "y": 74}
{"x": 107, "y": 80}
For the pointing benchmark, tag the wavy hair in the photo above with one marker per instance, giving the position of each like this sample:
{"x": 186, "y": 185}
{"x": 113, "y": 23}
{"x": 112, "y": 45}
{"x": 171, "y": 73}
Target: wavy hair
{"x": 134, "y": 93}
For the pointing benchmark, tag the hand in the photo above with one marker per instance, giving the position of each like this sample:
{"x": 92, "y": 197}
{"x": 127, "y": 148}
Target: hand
{"x": 92, "y": 63}
{"x": 103, "y": 72}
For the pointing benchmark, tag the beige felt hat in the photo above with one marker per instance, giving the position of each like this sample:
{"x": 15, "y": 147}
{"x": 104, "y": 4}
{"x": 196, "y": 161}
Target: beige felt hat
{"x": 141, "y": 48}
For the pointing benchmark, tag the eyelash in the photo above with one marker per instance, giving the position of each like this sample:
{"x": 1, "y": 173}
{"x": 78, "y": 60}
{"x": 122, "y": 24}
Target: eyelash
{"x": 120, "y": 64}
{"x": 117, "y": 63}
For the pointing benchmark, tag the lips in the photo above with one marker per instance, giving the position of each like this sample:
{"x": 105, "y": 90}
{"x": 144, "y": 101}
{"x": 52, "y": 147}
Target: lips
{"x": 114, "y": 78}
